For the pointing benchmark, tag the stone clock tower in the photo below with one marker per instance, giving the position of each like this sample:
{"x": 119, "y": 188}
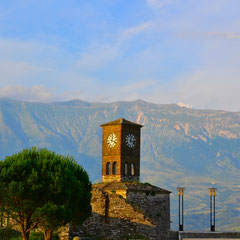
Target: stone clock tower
{"x": 120, "y": 151}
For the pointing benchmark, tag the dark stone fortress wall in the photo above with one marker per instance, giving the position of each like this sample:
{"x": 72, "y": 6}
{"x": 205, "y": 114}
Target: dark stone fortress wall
{"x": 127, "y": 210}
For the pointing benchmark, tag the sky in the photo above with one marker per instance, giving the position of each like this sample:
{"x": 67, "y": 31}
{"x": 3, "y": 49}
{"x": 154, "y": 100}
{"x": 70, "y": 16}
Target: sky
{"x": 160, "y": 51}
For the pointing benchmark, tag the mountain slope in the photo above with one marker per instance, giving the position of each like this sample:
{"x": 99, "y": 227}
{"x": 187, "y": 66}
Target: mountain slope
{"x": 180, "y": 146}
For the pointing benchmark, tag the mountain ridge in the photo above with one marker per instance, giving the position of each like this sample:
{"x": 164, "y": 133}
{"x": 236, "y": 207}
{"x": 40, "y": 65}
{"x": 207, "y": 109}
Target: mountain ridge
{"x": 76, "y": 100}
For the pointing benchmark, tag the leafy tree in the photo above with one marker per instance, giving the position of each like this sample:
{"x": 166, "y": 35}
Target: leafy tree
{"x": 39, "y": 188}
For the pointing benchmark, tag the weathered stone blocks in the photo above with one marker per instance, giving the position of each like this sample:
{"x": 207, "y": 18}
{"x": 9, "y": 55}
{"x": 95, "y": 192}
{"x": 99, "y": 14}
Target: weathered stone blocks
{"x": 123, "y": 210}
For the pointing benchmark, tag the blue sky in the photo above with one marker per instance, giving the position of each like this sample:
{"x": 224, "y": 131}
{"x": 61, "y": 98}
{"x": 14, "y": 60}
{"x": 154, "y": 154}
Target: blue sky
{"x": 161, "y": 51}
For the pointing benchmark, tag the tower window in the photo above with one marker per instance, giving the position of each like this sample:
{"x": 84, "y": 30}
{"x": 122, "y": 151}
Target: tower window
{"x": 125, "y": 169}
{"x": 108, "y": 168}
{"x": 132, "y": 169}
{"x": 114, "y": 168}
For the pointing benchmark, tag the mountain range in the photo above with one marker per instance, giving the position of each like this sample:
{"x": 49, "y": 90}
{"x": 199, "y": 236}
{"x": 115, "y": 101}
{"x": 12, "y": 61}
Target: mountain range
{"x": 196, "y": 149}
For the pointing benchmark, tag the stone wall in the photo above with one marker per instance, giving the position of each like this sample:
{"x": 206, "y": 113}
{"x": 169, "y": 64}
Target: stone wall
{"x": 155, "y": 205}
{"x": 122, "y": 211}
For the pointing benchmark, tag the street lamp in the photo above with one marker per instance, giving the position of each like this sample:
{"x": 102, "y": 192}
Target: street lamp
{"x": 180, "y": 207}
{"x": 212, "y": 193}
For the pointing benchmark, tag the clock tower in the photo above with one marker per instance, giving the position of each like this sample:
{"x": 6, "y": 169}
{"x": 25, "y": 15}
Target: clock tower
{"x": 120, "y": 151}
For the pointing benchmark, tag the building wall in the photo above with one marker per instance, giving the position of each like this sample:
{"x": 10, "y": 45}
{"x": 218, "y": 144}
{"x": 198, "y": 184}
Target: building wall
{"x": 111, "y": 154}
{"x": 121, "y": 153}
{"x": 155, "y": 205}
{"x": 115, "y": 217}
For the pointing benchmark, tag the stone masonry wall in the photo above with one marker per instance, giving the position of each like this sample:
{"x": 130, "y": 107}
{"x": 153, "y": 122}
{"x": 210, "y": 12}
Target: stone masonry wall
{"x": 155, "y": 205}
{"x": 115, "y": 217}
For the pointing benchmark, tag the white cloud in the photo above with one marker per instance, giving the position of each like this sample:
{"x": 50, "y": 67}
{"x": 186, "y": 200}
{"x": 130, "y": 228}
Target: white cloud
{"x": 228, "y": 35}
{"x": 130, "y": 32}
{"x": 99, "y": 55}
{"x": 140, "y": 85}
{"x": 206, "y": 89}
{"x": 30, "y": 63}
{"x": 24, "y": 61}
{"x": 13, "y": 71}
{"x": 18, "y": 50}
{"x": 210, "y": 35}
{"x": 210, "y": 89}
{"x": 159, "y": 3}
{"x": 34, "y": 93}
{"x": 186, "y": 105}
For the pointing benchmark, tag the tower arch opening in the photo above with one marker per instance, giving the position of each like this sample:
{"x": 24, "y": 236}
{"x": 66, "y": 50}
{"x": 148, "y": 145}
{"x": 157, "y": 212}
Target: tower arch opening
{"x": 108, "y": 168}
{"x": 114, "y": 168}
{"x": 126, "y": 169}
{"x": 132, "y": 169}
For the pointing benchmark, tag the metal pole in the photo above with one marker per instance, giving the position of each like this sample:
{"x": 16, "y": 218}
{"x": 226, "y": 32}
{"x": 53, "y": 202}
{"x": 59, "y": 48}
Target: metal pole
{"x": 212, "y": 192}
{"x": 214, "y": 209}
{"x": 211, "y": 210}
{"x": 179, "y": 219}
{"x": 182, "y": 211}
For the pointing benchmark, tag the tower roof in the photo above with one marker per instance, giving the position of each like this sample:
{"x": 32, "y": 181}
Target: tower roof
{"x": 121, "y": 121}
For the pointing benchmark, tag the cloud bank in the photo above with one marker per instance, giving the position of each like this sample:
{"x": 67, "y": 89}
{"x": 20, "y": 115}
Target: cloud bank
{"x": 22, "y": 93}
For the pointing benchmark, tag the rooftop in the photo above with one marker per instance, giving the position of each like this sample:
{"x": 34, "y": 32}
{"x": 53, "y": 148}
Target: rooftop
{"x": 121, "y": 121}
{"x": 131, "y": 186}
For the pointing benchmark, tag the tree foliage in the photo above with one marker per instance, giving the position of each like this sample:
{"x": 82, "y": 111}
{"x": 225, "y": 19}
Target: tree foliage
{"x": 39, "y": 188}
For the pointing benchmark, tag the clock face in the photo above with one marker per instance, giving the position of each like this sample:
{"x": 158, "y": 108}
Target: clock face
{"x": 111, "y": 140}
{"x": 130, "y": 140}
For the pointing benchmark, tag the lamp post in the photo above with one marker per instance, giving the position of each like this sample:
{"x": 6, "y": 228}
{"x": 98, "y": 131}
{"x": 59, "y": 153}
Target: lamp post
{"x": 212, "y": 193}
{"x": 180, "y": 207}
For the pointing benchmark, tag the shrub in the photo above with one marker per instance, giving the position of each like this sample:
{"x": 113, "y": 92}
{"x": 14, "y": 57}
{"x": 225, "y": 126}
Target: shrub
{"x": 9, "y": 234}
{"x": 36, "y": 236}
{"x": 40, "y": 236}
{"x": 153, "y": 193}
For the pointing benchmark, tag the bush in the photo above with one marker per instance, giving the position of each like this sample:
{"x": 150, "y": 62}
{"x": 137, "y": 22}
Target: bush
{"x": 9, "y": 234}
{"x": 36, "y": 236}
{"x": 40, "y": 236}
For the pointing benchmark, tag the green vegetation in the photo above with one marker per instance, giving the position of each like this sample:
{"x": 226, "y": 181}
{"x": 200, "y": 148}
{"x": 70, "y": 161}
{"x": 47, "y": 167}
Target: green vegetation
{"x": 40, "y": 236}
{"x": 147, "y": 184}
{"x": 153, "y": 193}
{"x": 9, "y": 234}
{"x": 39, "y": 188}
